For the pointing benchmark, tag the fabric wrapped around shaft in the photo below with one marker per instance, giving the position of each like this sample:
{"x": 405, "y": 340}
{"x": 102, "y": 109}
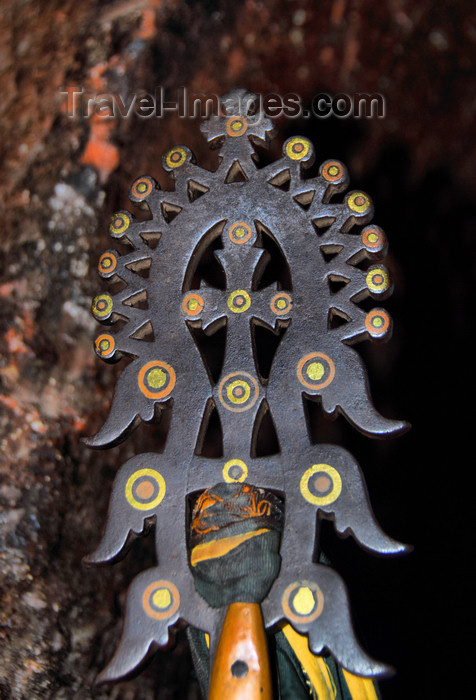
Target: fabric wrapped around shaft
{"x": 234, "y": 543}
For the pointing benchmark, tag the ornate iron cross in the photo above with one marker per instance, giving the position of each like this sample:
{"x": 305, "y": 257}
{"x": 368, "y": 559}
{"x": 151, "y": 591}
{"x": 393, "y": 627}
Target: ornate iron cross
{"x": 289, "y": 253}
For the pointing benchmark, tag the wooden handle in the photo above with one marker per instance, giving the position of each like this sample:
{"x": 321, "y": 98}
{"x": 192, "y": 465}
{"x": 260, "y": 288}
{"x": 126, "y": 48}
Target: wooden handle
{"x": 241, "y": 669}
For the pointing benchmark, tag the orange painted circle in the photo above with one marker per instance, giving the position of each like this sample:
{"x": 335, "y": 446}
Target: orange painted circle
{"x": 324, "y": 370}
{"x": 377, "y": 322}
{"x": 142, "y": 187}
{"x": 314, "y": 603}
{"x": 145, "y": 490}
{"x": 193, "y": 304}
{"x": 236, "y": 126}
{"x": 373, "y": 238}
{"x": 107, "y": 264}
{"x": 154, "y": 608}
{"x": 156, "y": 379}
{"x": 105, "y": 345}
{"x": 240, "y": 232}
{"x": 332, "y": 171}
{"x": 281, "y": 303}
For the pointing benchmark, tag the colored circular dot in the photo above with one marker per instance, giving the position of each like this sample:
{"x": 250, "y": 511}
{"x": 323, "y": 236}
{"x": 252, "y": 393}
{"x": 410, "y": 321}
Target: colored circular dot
{"x": 315, "y": 370}
{"x": 236, "y": 126}
{"x": 240, "y": 232}
{"x": 377, "y": 323}
{"x": 321, "y": 484}
{"x": 142, "y": 187}
{"x": 358, "y": 202}
{"x": 239, "y": 301}
{"x": 235, "y": 470}
{"x": 120, "y": 222}
{"x": 377, "y": 280}
{"x": 162, "y": 598}
{"x": 281, "y": 303}
{"x": 102, "y": 306}
{"x": 107, "y": 264}
{"x": 297, "y": 148}
{"x": 238, "y": 391}
{"x": 176, "y": 157}
{"x": 304, "y": 601}
{"x": 193, "y": 304}
{"x": 145, "y": 489}
{"x": 373, "y": 238}
{"x": 105, "y": 346}
{"x": 332, "y": 171}
{"x": 156, "y": 379}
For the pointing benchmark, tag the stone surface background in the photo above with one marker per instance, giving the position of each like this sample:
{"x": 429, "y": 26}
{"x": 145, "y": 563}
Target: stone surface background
{"x": 62, "y": 178}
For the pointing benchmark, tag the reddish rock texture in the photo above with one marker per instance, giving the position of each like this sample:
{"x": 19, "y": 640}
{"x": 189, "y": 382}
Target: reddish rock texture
{"x": 61, "y": 179}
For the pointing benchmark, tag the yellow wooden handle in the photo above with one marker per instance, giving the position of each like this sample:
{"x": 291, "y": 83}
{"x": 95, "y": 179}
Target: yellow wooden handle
{"x": 241, "y": 669}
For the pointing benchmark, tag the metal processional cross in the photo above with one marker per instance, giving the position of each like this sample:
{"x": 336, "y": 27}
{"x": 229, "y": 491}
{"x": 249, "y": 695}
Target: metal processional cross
{"x": 289, "y": 260}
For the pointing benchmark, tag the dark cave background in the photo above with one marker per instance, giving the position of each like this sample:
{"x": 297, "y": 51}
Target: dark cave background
{"x": 62, "y": 178}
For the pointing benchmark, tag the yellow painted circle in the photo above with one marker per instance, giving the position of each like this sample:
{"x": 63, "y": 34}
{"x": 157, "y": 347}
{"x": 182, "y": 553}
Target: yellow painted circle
{"x": 239, "y": 301}
{"x": 358, "y": 202}
{"x": 105, "y": 345}
{"x": 102, "y": 306}
{"x": 303, "y": 602}
{"x": 145, "y": 489}
{"x": 315, "y": 370}
{"x": 176, "y": 157}
{"x": 240, "y": 232}
{"x": 120, "y": 222}
{"x": 377, "y": 280}
{"x": 235, "y": 471}
{"x": 297, "y": 148}
{"x": 327, "y": 481}
{"x": 236, "y": 126}
{"x": 238, "y": 391}
{"x": 161, "y": 600}
{"x": 156, "y": 379}
{"x": 193, "y": 304}
{"x": 281, "y": 303}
